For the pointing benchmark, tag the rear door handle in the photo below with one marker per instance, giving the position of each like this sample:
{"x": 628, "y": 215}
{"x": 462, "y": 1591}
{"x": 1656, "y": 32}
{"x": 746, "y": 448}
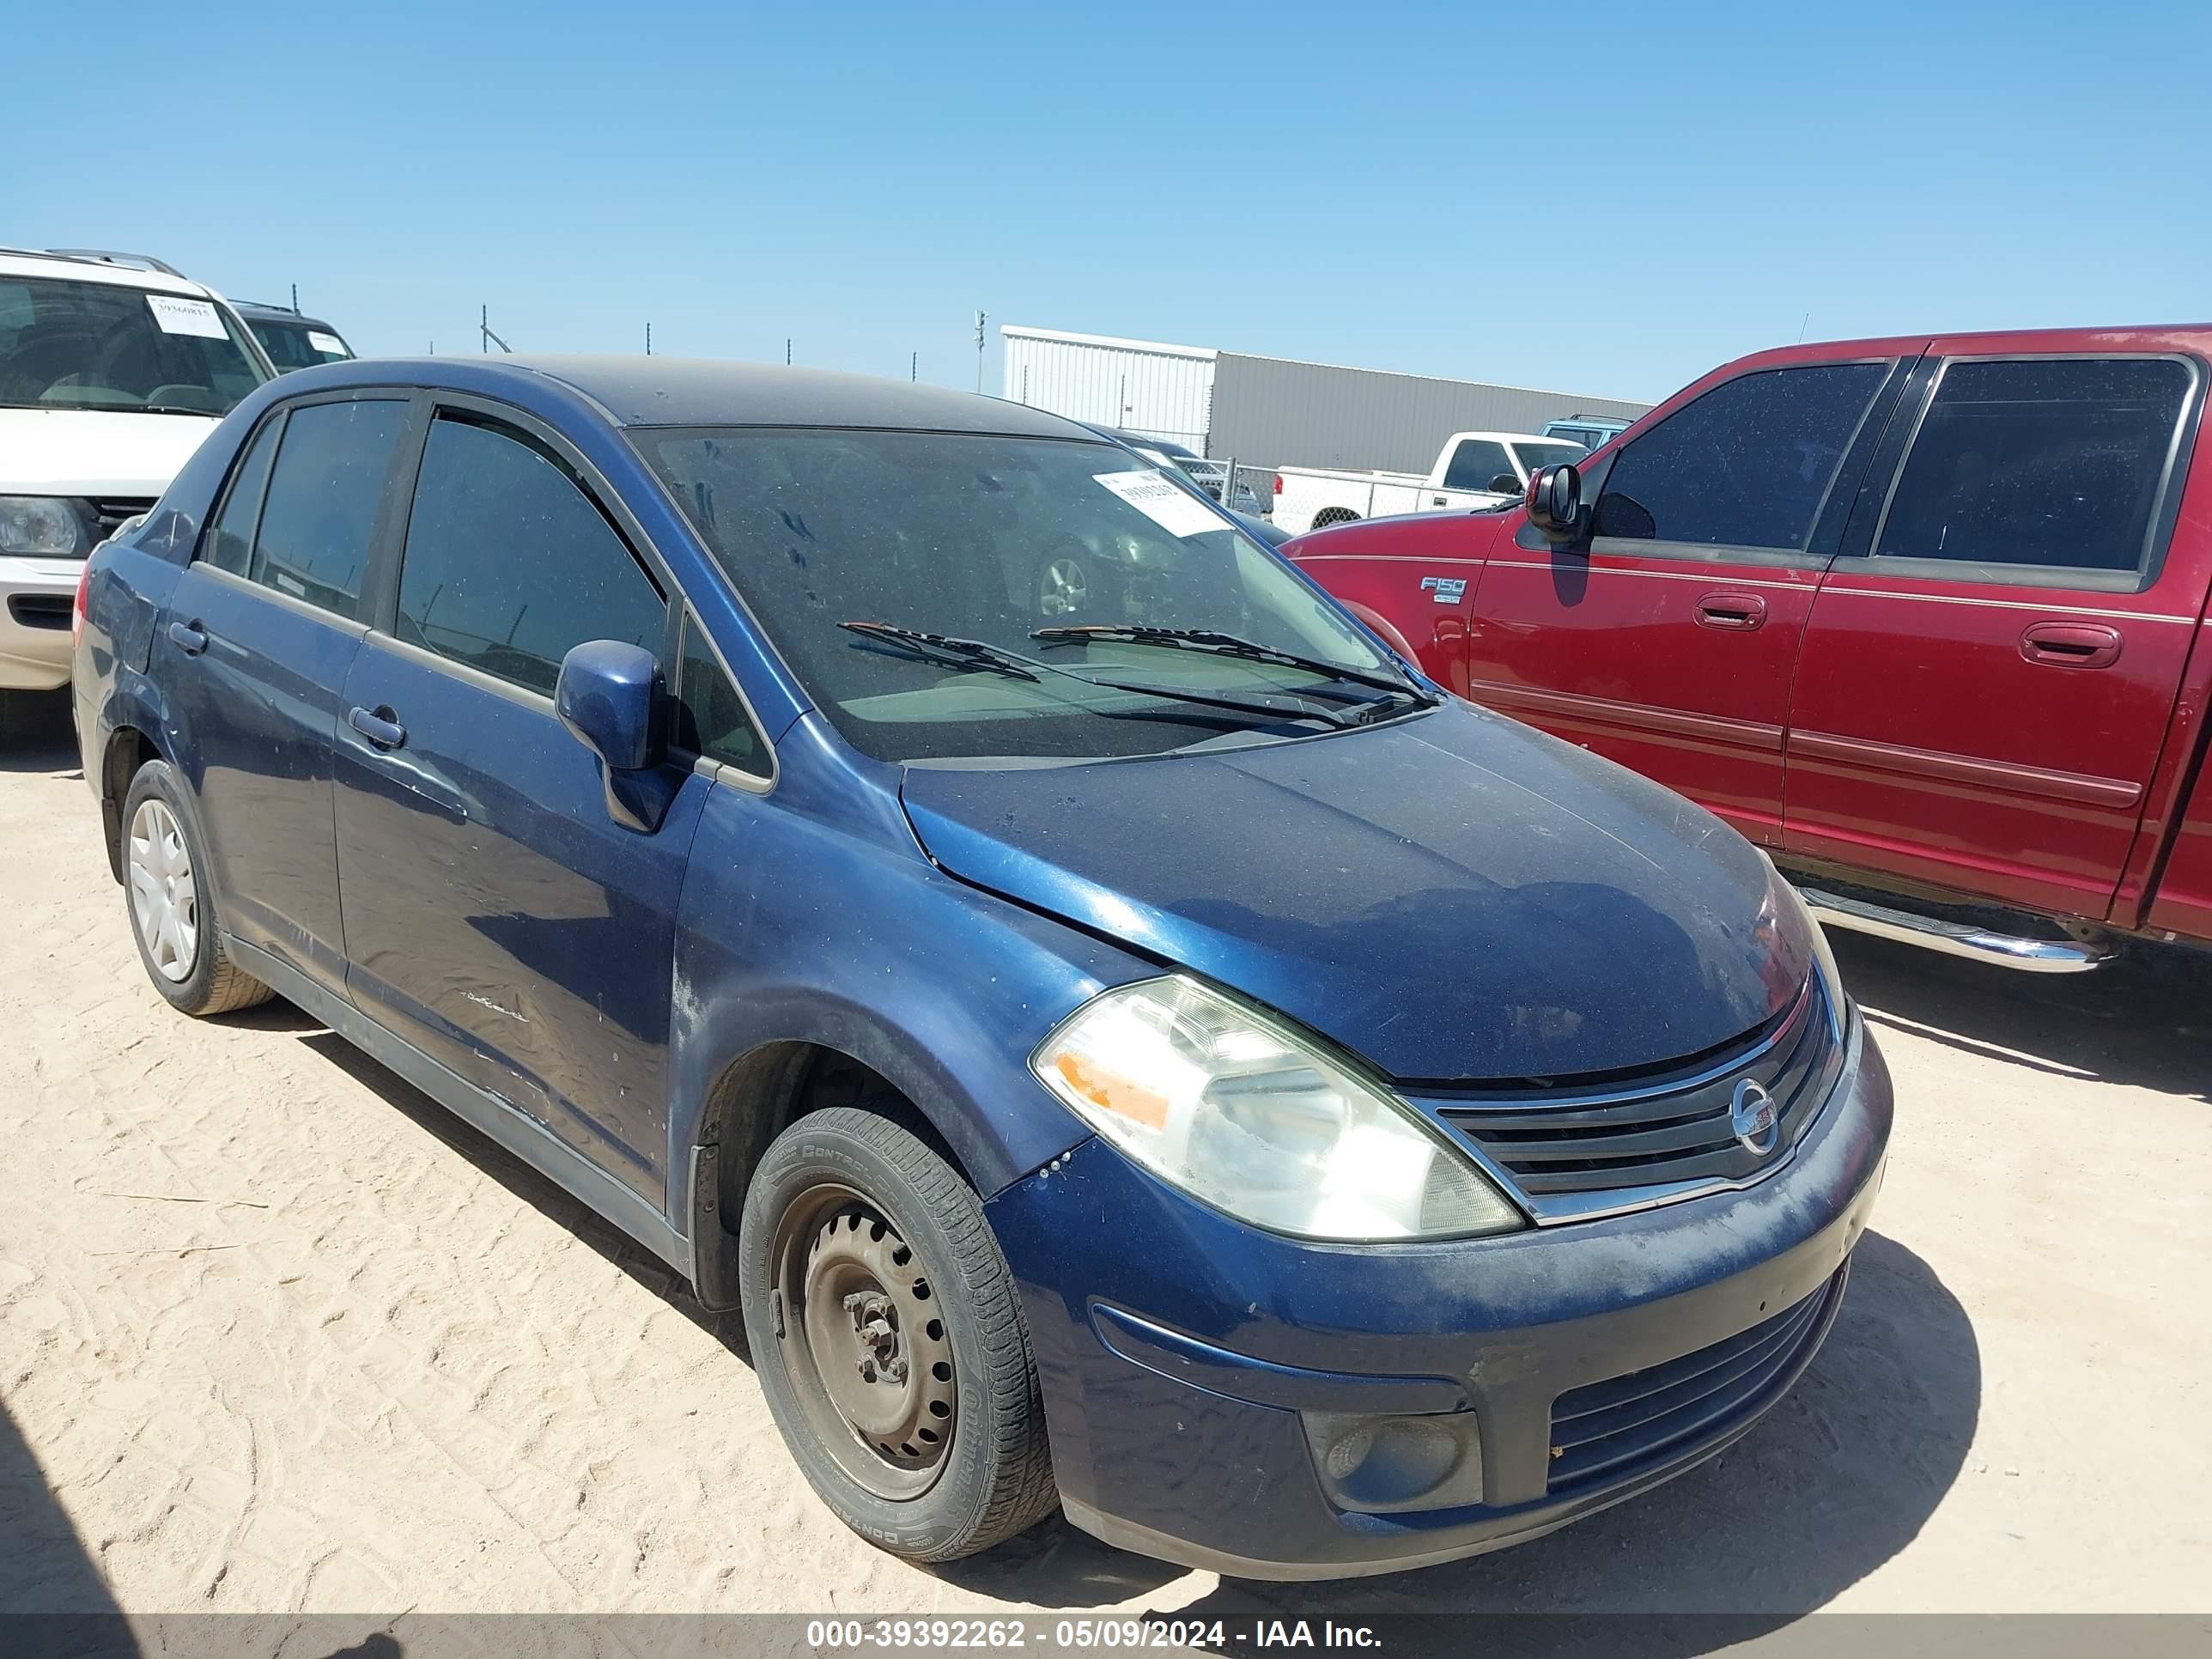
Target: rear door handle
{"x": 2071, "y": 645}
{"x": 1737, "y": 612}
{"x": 188, "y": 637}
{"x": 378, "y": 726}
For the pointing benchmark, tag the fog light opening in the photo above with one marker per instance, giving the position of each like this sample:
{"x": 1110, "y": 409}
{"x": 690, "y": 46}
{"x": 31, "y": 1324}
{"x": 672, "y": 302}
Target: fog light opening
{"x": 1376, "y": 1465}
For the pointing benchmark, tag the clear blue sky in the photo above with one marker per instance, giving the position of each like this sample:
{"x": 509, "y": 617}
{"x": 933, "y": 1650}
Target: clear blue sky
{"x": 1394, "y": 186}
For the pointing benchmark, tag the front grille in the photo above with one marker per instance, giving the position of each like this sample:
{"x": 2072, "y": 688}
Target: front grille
{"x": 1574, "y": 1145}
{"x": 1603, "y": 1431}
{"x": 113, "y": 510}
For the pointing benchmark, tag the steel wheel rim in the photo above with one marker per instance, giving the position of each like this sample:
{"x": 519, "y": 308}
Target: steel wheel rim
{"x": 1062, "y": 589}
{"x": 864, "y": 1342}
{"x": 164, "y": 892}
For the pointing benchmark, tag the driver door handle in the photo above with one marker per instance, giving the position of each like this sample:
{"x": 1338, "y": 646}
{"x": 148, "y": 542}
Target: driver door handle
{"x": 378, "y": 726}
{"x": 188, "y": 637}
{"x": 1738, "y": 613}
{"x": 2071, "y": 645}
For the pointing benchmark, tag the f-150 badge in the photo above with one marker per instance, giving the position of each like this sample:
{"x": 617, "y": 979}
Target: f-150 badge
{"x": 1444, "y": 590}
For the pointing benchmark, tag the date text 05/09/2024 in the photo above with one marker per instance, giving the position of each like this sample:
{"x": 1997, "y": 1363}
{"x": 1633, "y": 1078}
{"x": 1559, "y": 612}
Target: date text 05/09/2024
{"x": 827, "y": 1635}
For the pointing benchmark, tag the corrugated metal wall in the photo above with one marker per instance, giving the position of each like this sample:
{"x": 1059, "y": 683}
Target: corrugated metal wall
{"x": 1163, "y": 390}
{"x": 1277, "y": 413}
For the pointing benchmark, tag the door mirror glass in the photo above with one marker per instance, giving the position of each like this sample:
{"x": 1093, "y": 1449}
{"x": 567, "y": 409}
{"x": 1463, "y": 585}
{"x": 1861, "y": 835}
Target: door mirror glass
{"x": 605, "y": 696}
{"x": 1554, "y": 502}
{"x": 1505, "y": 484}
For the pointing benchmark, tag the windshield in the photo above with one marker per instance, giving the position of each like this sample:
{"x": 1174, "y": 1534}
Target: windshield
{"x": 102, "y": 345}
{"x": 991, "y": 539}
{"x": 1535, "y": 456}
{"x": 298, "y": 345}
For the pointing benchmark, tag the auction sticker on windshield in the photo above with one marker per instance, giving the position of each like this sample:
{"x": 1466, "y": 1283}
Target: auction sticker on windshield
{"x": 173, "y": 315}
{"x": 1174, "y": 509}
{"x": 326, "y": 342}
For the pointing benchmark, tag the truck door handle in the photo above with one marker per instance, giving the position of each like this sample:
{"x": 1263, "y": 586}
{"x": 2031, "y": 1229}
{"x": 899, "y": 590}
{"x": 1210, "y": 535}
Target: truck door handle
{"x": 188, "y": 637}
{"x": 1737, "y": 612}
{"x": 2071, "y": 645}
{"x": 377, "y": 725}
{"x": 1440, "y": 500}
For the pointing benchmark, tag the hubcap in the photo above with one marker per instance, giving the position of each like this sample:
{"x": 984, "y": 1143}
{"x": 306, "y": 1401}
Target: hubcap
{"x": 1062, "y": 588}
{"x": 164, "y": 899}
{"x": 867, "y": 1352}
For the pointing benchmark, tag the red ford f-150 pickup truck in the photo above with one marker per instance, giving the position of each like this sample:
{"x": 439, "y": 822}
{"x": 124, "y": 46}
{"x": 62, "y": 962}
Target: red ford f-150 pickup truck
{"x": 1925, "y": 618}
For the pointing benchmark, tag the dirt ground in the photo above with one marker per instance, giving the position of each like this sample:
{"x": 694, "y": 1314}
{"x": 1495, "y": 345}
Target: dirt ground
{"x": 278, "y": 1335}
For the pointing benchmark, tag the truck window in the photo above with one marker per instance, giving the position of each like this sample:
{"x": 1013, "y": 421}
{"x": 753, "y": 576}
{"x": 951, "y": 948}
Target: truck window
{"x": 1475, "y": 463}
{"x": 1747, "y": 465}
{"x": 2056, "y": 462}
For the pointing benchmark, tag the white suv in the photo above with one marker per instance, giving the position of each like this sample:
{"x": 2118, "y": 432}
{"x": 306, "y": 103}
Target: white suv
{"x": 112, "y": 368}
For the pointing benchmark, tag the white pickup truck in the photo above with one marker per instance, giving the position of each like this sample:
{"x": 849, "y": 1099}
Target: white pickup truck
{"x": 1473, "y": 469}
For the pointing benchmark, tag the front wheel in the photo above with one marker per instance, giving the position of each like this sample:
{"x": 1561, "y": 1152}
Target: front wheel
{"x": 888, "y": 1339}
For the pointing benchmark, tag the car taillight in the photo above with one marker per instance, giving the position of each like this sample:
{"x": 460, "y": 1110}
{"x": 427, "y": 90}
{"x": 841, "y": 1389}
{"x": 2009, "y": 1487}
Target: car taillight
{"x": 76, "y": 611}
{"x": 1279, "y": 484}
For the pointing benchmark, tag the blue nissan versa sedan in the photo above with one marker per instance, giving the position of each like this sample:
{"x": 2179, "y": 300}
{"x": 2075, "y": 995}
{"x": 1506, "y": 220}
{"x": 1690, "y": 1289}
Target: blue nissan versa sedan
{"x": 1161, "y": 1058}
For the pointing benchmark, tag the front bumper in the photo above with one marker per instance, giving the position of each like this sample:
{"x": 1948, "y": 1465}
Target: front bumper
{"x": 1179, "y": 1349}
{"x": 34, "y": 629}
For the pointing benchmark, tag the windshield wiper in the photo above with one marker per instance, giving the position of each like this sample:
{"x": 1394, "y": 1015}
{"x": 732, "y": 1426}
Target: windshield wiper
{"x": 1214, "y": 642}
{"x": 979, "y": 654}
{"x": 947, "y": 648}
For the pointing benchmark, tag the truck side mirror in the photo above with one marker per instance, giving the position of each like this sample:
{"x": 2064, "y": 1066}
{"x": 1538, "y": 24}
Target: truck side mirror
{"x": 1554, "y": 502}
{"x": 1505, "y": 484}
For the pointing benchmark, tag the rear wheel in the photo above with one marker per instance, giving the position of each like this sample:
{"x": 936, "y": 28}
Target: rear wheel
{"x": 172, "y": 916}
{"x": 888, "y": 1339}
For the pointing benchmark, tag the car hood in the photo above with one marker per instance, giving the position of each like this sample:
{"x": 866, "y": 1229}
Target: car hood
{"x": 94, "y": 452}
{"x": 1451, "y": 897}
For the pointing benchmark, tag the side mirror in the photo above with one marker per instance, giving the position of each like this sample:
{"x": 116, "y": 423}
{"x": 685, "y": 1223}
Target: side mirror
{"x": 606, "y": 697}
{"x": 1505, "y": 484}
{"x": 1554, "y": 502}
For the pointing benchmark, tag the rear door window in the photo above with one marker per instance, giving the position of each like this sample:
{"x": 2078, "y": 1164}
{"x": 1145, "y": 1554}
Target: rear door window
{"x": 509, "y": 562}
{"x": 1476, "y": 463}
{"x": 2045, "y": 463}
{"x": 319, "y": 521}
{"x": 229, "y": 544}
{"x": 1747, "y": 465}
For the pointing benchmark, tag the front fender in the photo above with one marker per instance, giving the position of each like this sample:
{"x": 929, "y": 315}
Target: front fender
{"x": 798, "y": 929}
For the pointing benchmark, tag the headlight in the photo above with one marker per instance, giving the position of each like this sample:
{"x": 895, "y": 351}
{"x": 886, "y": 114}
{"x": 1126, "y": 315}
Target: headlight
{"x": 1236, "y": 1108}
{"x": 40, "y": 525}
{"x": 1783, "y": 900}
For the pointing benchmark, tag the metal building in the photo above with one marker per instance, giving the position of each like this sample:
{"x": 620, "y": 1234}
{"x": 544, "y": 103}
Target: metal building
{"x": 1271, "y": 410}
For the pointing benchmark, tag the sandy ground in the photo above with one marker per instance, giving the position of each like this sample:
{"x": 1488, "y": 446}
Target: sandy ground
{"x": 278, "y": 1335}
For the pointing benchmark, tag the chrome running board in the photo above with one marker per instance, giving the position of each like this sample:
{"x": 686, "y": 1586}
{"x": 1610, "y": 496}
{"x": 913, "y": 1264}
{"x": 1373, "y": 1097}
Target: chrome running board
{"x": 1955, "y": 938}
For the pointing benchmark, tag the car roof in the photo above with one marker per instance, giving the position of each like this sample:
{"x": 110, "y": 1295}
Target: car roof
{"x": 683, "y": 392}
{"x": 34, "y": 262}
{"x": 254, "y": 311}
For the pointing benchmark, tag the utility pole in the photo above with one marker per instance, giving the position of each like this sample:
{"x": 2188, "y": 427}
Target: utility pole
{"x": 979, "y": 351}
